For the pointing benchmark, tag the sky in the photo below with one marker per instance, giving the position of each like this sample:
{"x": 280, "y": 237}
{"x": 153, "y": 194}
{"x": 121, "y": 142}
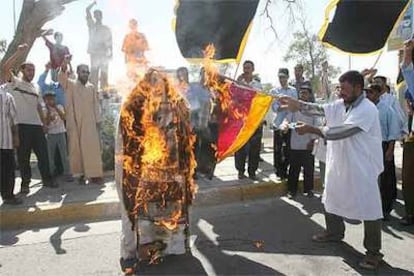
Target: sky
{"x": 155, "y": 20}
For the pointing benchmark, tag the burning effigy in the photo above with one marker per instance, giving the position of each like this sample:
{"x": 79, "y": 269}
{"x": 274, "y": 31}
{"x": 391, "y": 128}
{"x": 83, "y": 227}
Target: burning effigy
{"x": 157, "y": 164}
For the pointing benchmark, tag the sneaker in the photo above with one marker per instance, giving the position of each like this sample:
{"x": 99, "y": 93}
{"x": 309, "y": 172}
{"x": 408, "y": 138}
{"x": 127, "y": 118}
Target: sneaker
{"x": 12, "y": 201}
{"x": 241, "y": 176}
{"x": 325, "y": 237}
{"x": 253, "y": 176}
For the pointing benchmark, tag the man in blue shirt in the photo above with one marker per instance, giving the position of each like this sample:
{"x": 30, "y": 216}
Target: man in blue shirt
{"x": 53, "y": 86}
{"x": 390, "y": 130}
{"x": 281, "y": 140}
{"x": 408, "y": 151}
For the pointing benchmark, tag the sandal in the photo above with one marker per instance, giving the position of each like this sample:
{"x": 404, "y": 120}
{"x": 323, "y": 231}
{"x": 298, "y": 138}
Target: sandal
{"x": 370, "y": 262}
{"x": 128, "y": 266}
{"x": 325, "y": 237}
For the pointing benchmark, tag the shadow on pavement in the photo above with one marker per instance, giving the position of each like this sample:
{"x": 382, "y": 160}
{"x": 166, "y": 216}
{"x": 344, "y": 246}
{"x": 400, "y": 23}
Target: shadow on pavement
{"x": 268, "y": 227}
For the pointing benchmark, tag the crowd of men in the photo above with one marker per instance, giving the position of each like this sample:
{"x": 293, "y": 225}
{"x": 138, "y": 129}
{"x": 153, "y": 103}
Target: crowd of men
{"x": 58, "y": 120}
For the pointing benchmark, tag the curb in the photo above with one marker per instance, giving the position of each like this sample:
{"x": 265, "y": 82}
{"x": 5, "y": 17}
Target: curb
{"x": 56, "y": 214}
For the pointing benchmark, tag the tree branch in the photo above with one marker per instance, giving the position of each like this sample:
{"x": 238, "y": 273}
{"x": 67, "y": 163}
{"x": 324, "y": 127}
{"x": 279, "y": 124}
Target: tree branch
{"x": 267, "y": 13}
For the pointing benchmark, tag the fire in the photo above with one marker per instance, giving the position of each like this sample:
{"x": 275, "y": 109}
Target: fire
{"x": 171, "y": 223}
{"x": 155, "y": 148}
{"x": 158, "y": 159}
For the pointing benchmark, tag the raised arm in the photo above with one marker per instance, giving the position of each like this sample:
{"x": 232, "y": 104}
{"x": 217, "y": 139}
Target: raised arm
{"x": 42, "y": 79}
{"x": 89, "y": 18}
{"x": 63, "y": 76}
{"x": 8, "y": 65}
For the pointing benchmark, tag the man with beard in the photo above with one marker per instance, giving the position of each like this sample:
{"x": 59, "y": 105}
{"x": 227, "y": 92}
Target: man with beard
{"x": 30, "y": 121}
{"x": 83, "y": 118}
{"x": 353, "y": 163}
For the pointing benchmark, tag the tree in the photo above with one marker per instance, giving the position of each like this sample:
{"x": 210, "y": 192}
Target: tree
{"x": 33, "y": 16}
{"x": 308, "y": 51}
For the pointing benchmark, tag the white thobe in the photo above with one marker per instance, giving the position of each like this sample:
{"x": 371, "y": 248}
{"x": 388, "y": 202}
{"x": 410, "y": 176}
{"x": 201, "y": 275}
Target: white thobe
{"x": 353, "y": 164}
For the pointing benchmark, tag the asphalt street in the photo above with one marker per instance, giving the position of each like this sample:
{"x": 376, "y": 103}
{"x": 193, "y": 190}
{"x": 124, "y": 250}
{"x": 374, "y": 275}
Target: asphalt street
{"x": 265, "y": 237}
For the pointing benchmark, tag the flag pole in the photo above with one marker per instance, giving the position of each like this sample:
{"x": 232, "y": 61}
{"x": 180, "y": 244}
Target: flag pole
{"x": 378, "y": 58}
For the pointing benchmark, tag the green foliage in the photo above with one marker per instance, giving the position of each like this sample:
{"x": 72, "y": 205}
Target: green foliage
{"x": 307, "y": 50}
{"x": 108, "y": 142}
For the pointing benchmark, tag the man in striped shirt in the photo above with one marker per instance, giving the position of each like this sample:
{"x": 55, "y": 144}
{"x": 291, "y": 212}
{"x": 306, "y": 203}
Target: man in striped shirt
{"x": 9, "y": 139}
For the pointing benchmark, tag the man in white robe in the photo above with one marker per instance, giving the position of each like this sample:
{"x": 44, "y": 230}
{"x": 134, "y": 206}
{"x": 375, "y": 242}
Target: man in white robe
{"x": 353, "y": 163}
{"x": 82, "y": 123}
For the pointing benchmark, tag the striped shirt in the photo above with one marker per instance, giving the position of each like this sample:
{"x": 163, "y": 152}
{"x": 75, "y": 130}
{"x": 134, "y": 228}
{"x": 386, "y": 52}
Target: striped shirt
{"x": 8, "y": 118}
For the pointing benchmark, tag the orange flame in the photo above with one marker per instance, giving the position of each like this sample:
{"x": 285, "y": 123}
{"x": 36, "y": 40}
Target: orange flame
{"x": 158, "y": 154}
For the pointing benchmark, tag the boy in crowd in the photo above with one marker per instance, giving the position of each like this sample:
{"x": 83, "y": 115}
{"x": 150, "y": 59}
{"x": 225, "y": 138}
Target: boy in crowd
{"x": 57, "y": 50}
{"x": 300, "y": 150}
{"x": 56, "y": 134}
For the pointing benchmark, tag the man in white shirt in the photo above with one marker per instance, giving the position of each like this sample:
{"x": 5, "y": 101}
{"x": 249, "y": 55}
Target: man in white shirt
{"x": 9, "y": 139}
{"x": 353, "y": 163}
{"x": 30, "y": 118}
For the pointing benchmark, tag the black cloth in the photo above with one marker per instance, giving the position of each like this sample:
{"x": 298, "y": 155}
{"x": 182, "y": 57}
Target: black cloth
{"x": 222, "y": 23}
{"x": 33, "y": 138}
{"x": 408, "y": 177}
{"x": 8, "y": 167}
{"x": 354, "y": 21}
{"x": 281, "y": 146}
{"x": 251, "y": 150}
{"x": 388, "y": 183}
{"x": 299, "y": 159}
{"x": 205, "y": 151}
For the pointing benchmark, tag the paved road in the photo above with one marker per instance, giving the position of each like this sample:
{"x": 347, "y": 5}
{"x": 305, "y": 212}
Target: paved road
{"x": 270, "y": 237}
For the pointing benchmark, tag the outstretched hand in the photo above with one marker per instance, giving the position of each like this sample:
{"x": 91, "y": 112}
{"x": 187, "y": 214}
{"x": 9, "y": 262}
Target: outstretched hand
{"x": 408, "y": 45}
{"x": 302, "y": 128}
{"x": 288, "y": 103}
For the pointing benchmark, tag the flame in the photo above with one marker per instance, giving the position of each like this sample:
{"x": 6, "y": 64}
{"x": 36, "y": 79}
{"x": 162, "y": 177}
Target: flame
{"x": 172, "y": 222}
{"x": 216, "y": 83}
{"x": 158, "y": 159}
{"x": 155, "y": 148}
